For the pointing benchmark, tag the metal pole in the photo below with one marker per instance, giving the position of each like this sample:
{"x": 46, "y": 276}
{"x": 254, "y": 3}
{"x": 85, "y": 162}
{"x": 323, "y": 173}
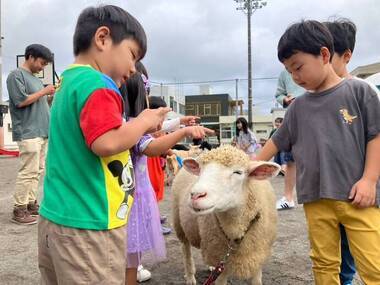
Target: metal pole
{"x": 1, "y": 90}
{"x": 236, "y": 98}
{"x": 249, "y": 14}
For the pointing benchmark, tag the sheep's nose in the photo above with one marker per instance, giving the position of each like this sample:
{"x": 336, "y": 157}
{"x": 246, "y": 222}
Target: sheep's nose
{"x": 196, "y": 196}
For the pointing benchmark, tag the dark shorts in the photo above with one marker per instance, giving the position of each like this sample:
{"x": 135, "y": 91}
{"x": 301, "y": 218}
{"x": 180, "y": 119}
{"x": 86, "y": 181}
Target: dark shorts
{"x": 287, "y": 157}
{"x": 282, "y": 158}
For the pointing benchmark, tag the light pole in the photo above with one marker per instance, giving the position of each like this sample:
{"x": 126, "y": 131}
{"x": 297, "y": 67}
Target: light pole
{"x": 249, "y": 7}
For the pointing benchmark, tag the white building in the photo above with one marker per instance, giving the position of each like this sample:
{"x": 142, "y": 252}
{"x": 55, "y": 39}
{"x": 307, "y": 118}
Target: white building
{"x": 9, "y": 144}
{"x": 173, "y": 98}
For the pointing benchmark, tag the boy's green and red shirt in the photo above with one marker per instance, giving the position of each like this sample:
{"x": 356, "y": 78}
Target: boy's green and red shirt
{"x": 81, "y": 189}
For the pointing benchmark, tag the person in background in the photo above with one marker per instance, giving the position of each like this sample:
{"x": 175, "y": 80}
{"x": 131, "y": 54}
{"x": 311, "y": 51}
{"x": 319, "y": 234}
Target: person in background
{"x": 144, "y": 234}
{"x": 279, "y": 157}
{"x": 287, "y": 90}
{"x": 343, "y": 32}
{"x": 245, "y": 138}
{"x": 30, "y": 115}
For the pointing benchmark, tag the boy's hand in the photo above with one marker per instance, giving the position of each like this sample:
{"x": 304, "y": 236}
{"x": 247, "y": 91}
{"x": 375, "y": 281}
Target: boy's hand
{"x": 197, "y": 132}
{"x": 189, "y": 120}
{"x": 153, "y": 118}
{"x": 363, "y": 193}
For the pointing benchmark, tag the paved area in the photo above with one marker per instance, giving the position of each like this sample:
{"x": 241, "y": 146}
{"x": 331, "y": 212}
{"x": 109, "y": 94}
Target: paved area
{"x": 289, "y": 263}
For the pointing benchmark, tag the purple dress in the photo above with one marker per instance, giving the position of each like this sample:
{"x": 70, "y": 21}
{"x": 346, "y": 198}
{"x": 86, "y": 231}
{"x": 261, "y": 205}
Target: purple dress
{"x": 144, "y": 238}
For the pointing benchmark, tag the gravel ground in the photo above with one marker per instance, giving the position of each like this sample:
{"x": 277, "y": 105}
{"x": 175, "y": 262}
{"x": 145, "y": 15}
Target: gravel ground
{"x": 289, "y": 263}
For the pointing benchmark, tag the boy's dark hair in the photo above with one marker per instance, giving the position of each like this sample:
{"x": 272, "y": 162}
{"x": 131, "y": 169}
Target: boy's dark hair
{"x": 121, "y": 24}
{"x": 37, "y": 50}
{"x": 156, "y": 102}
{"x": 308, "y": 37}
{"x": 343, "y": 32}
{"x": 278, "y": 120}
{"x": 244, "y": 124}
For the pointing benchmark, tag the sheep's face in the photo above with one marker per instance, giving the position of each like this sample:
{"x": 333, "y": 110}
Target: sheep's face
{"x": 220, "y": 188}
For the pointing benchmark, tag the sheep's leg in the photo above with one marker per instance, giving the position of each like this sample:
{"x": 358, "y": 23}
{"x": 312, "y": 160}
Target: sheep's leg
{"x": 257, "y": 278}
{"x": 188, "y": 262}
{"x": 222, "y": 279}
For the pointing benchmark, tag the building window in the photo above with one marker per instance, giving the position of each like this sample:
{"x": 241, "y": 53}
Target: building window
{"x": 201, "y": 110}
{"x": 190, "y": 110}
{"x": 227, "y": 131}
{"x": 215, "y": 109}
{"x": 208, "y": 110}
{"x": 261, "y": 132}
{"x": 9, "y": 127}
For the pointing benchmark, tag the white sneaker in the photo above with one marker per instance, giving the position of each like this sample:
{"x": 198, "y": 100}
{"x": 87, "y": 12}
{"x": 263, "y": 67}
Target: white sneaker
{"x": 143, "y": 274}
{"x": 284, "y": 204}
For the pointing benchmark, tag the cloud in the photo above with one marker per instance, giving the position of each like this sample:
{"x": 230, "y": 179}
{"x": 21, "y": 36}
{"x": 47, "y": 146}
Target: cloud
{"x": 192, "y": 39}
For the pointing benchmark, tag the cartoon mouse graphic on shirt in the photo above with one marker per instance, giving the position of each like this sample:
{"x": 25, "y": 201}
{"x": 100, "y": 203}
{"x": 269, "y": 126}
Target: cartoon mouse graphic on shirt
{"x": 126, "y": 179}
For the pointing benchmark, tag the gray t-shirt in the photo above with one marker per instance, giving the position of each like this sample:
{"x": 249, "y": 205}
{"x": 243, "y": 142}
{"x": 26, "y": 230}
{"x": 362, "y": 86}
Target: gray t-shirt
{"x": 327, "y": 133}
{"x": 31, "y": 121}
{"x": 286, "y": 86}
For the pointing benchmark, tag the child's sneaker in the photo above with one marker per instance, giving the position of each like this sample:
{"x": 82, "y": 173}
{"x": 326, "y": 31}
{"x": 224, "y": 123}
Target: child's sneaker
{"x": 143, "y": 274}
{"x": 163, "y": 219}
{"x": 284, "y": 204}
{"x": 165, "y": 230}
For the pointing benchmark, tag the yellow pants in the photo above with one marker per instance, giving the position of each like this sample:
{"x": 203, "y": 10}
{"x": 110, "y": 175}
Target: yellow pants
{"x": 32, "y": 164}
{"x": 363, "y": 233}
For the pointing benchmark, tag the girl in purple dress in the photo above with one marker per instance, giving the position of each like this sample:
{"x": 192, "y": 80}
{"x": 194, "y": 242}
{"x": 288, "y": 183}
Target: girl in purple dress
{"x": 144, "y": 237}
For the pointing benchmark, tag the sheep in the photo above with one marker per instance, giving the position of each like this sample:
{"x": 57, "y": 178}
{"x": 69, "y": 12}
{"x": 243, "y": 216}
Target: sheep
{"x": 224, "y": 206}
{"x": 172, "y": 163}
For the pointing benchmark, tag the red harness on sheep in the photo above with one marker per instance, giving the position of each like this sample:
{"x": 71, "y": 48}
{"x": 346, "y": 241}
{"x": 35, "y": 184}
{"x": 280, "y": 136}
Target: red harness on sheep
{"x": 232, "y": 245}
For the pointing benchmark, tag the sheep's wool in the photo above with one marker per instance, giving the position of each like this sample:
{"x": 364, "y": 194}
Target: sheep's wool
{"x": 226, "y": 155}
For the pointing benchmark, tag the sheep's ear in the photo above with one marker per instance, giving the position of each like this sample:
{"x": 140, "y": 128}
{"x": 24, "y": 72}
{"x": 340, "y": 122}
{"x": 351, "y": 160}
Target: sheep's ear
{"x": 261, "y": 170}
{"x": 191, "y": 165}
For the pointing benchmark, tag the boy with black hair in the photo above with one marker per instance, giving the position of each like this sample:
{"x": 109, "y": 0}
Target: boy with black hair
{"x": 344, "y": 35}
{"x": 333, "y": 132}
{"x": 89, "y": 183}
{"x": 30, "y": 115}
{"x": 343, "y": 32}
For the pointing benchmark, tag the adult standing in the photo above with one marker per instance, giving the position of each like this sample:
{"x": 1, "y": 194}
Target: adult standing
{"x": 30, "y": 115}
{"x": 286, "y": 92}
{"x": 245, "y": 138}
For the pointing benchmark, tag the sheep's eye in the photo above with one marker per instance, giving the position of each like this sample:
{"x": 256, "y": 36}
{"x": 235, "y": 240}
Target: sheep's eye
{"x": 239, "y": 172}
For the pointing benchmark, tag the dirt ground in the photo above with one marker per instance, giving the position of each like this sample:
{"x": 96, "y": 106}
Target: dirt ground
{"x": 289, "y": 264}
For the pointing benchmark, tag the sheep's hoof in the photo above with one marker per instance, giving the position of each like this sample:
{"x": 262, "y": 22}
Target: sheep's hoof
{"x": 191, "y": 280}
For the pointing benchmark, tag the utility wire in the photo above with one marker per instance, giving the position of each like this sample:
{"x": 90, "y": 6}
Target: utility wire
{"x": 211, "y": 81}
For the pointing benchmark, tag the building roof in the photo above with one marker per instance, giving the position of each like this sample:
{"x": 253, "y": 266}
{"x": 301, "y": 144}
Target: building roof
{"x": 208, "y": 96}
{"x": 366, "y": 70}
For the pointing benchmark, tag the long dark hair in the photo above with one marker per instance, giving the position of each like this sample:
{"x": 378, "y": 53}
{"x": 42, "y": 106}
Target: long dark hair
{"x": 244, "y": 125}
{"x": 134, "y": 92}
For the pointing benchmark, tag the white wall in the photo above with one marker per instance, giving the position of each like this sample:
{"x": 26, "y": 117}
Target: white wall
{"x": 8, "y": 142}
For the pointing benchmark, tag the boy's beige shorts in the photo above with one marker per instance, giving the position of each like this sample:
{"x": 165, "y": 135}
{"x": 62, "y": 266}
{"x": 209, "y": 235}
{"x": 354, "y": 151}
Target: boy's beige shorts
{"x": 76, "y": 256}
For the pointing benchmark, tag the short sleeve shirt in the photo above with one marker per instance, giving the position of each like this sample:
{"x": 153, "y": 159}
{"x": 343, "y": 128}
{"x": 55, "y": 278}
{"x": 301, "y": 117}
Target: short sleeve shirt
{"x": 33, "y": 120}
{"x": 248, "y": 138}
{"x": 327, "y": 133}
